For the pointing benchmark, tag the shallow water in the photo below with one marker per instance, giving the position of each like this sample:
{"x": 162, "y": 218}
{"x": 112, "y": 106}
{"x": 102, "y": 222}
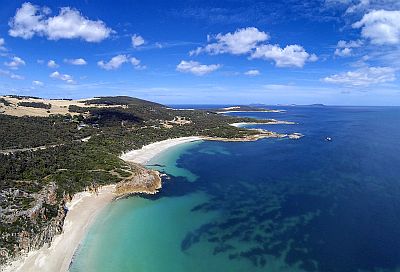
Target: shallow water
{"x": 270, "y": 205}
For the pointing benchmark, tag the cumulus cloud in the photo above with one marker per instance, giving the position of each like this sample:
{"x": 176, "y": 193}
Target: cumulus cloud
{"x": 242, "y": 41}
{"x": 363, "y": 77}
{"x": 251, "y": 41}
{"x": 117, "y": 61}
{"x": 380, "y": 26}
{"x": 37, "y": 83}
{"x": 252, "y": 73}
{"x": 135, "y": 61}
{"x": 52, "y": 64}
{"x": 15, "y": 63}
{"x": 79, "y": 61}
{"x": 136, "y": 64}
{"x": 10, "y": 75}
{"x": 196, "y": 68}
{"x": 345, "y": 49}
{"x": 137, "y": 40}
{"x": 64, "y": 77}
{"x": 290, "y": 56}
{"x": 30, "y": 20}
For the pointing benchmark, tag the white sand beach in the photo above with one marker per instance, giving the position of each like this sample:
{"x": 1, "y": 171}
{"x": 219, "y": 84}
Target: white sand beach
{"x": 82, "y": 211}
{"x": 147, "y": 152}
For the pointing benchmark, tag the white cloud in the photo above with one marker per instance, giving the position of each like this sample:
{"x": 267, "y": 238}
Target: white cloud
{"x": 37, "y": 83}
{"x": 2, "y": 43}
{"x": 52, "y": 64}
{"x": 250, "y": 41}
{"x": 135, "y": 61}
{"x": 380, "y": 26}
{"x": 136, "y": 64}
{"x": 15, "y": 63}
{"x": 118, "y": 60}
{"x": 350, "y": 44}
{"x": 363, "y": 77}
{"x": 137, "y": 40}
{"x": 30, "y": 20}
{"x": 64, "y": 77}
{"x": 79, "y": 61}
{"x": 345, "y": 49}
{"x": 290, "y": 56}
{"x": 363, "y": 4}
{"x": 10, "y": 75}
{"x": 343, "y": 52}
{"x": 114, "y": 63}
{"x": 196, "y": 68}
{"x": 252, "y": 73}
{"x": 242, "y": 41}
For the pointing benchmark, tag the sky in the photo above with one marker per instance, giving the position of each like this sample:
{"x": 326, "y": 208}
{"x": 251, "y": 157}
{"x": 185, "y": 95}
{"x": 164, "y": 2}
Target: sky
{"x": 335, "y": 52}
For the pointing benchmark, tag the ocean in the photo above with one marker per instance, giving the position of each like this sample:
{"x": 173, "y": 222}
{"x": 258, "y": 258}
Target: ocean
{"x": 270, "y": 205}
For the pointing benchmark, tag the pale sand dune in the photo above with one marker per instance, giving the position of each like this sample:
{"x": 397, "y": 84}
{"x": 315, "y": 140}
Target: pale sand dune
{"x": 147, "y": 152}
{"x": 58, "y": 106}
{"x": 82, "y": 211}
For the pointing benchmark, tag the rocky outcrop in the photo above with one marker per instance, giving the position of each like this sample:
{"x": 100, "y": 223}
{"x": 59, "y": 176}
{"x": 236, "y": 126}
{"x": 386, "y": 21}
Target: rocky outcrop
{"x": 248, "y": 138}
{"x": 28, "y": 241}
{"x": 30, "y": 228}
{"x": 142, "y": 180}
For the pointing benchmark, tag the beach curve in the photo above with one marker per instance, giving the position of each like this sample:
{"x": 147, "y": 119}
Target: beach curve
{"x": 82, "y": 211}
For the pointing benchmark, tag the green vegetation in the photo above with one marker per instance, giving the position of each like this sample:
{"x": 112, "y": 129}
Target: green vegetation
{"x": 35, "y": 183}
{"x": 121, "y": 100}
{"x": 20, "y": 97}
{"x": 25, "y": 132}
{"x": 39, "y": 105}
{"x": 5, "y": 102}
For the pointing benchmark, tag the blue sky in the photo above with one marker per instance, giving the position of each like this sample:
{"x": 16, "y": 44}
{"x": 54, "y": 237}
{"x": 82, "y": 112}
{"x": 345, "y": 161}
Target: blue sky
{"x": 337, "y": 52}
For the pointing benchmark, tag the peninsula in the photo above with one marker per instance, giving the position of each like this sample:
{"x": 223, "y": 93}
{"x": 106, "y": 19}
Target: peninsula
{"x": 63, "y": 160}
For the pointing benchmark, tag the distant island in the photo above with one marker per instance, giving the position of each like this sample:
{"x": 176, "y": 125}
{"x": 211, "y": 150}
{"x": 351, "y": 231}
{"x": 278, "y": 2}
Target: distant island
{"x": 52, "y": 150}
{"x": 245, "y": 108}
{"x": 317, "y": 105}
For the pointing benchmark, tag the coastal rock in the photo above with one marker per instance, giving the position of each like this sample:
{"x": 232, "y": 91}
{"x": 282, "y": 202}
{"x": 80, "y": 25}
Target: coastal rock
{"x": 295, "y": 136}
{"x": 261, "y": 134}
{"x": 42, "y": 222}
{"x": 142, "y": 180}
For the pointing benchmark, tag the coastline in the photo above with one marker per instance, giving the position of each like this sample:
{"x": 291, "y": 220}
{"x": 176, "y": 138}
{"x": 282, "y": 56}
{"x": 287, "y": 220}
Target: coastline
{"x": 147, "y": 152}
{"x": 85, "y": 206}
{"x": 82, "y": 211}
{"x": 250, "y": 111}
{"x": 271, "y": 122}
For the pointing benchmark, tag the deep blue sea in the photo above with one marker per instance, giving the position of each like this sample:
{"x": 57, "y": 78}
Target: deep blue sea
{"x": 270, "y": 205}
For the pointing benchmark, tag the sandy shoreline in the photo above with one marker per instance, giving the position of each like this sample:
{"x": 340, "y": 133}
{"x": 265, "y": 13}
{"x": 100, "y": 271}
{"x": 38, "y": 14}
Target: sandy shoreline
{"x": 82, "y": 211}
{"x": 147, "y": 152}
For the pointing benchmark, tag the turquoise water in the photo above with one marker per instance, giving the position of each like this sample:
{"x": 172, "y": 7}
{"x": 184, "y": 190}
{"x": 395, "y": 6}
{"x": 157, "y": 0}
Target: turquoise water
{"x": 270, "y": 205}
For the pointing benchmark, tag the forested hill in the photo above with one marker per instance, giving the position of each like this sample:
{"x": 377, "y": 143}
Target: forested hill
{"x": 123, "y": 100}
{"x": 51, "y": 149}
